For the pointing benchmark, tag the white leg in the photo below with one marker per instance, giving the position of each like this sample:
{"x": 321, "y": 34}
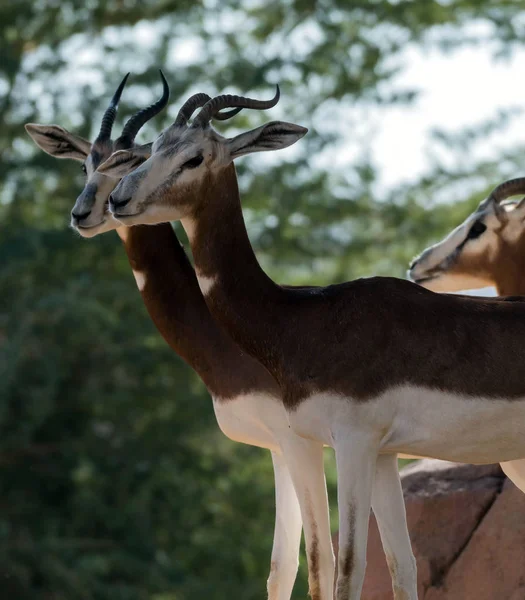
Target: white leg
{"x": 305, "y": 461}
{"x": 389, "y": 509}
{"x": 515, "y": 471}
{"x": 287, "y": 534}
{"x": 356, "y": 459}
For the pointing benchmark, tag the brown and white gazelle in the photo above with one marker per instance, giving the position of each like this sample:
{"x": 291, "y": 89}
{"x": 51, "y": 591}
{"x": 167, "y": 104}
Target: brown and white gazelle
{"x": 371, "y": 367}
{"x": 487, "y": 249}
{"x": 159, "y": 261}
{"x": 246, "y": 398}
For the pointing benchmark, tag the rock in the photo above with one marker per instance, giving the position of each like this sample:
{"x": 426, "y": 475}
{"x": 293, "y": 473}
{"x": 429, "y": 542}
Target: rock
{"x": 467, "y": 526}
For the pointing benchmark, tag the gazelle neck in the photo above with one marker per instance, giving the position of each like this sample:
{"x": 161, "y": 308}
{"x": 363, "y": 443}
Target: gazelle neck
{"x": 509, "y": 272}
{"x": 170, "y": 291}
{"x": 225, "y": 263}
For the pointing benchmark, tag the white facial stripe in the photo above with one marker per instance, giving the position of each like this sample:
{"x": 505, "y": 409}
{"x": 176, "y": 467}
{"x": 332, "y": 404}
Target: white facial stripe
{"x": 89, "y": 165}
{"x": 435, "y": 255}
{"x": 444, "y": 249}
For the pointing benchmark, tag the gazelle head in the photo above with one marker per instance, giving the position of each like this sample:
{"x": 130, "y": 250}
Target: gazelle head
{"x": 90, "y": 215}
{"x": 187, "y": 158}
{"x": 480, "y": 249}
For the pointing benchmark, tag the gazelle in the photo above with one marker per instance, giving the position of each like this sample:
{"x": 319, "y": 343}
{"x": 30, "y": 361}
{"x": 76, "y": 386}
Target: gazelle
{"x": 245, "y": 397}
{"x": 370, "y": 367}
{"x": 162, "y": 273}
{"x": 487, "y": 249}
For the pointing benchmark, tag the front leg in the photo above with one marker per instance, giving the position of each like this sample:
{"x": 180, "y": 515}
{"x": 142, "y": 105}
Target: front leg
{"x": 389, "y": 508}
{"x": 305, "y": 461}
{"x": 356, "y": 457}
{"x": 287, "y": 534}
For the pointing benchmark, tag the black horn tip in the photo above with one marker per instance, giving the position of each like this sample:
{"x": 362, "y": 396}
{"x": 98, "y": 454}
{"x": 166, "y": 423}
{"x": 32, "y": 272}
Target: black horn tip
{"x": 224, "y": 116}
{"x": 116, "y": 96}
{"x": 165, "y": 85}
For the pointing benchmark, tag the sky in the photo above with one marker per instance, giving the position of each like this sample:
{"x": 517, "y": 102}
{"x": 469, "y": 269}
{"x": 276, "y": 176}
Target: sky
{"x": 457, "y": 90}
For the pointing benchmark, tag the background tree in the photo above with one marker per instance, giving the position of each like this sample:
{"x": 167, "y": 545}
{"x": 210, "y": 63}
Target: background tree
{"x": 115, "y": 482}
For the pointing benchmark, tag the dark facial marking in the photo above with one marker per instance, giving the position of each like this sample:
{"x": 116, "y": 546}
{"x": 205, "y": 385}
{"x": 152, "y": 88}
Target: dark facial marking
{"x": 476, "y": 230}
{"x": 96, "y": 157}
{"x": 193, "y": 163}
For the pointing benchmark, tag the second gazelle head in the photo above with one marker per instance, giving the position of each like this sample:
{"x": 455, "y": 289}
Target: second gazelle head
{"x": 481, "y": 251}
{"x": 90, "y": 215}
{"x": 186, "y": 159}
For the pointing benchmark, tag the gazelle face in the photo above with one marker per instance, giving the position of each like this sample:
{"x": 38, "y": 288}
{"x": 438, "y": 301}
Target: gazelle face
{"x": 90, "y": 215}
{"x": 159, "y": 189}
{"x": 467, "y": 258}
{"x": 184, "y": 159}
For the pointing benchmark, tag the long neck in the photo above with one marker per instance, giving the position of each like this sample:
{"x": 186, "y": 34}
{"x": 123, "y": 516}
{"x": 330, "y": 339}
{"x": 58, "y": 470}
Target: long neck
{"x": 240, "y": 295}
{"x": 172, "y": 297}
{"x": 509, "y": 271}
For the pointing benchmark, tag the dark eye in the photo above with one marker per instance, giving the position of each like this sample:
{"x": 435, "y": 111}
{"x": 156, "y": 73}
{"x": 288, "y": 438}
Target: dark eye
{"x": 476, "y": 230}
{"x": 193, "y": 162}
{"x": 84, "y": 170}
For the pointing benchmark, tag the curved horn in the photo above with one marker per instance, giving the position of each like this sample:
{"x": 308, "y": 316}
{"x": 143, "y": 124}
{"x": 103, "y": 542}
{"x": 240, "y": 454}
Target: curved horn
{"x": 212, "y": 107}
{"x": 196, "y": 101}
{"x": 136, "y": 121}
{"x": 111, "y": 112}
{"x": 505, "y": 190}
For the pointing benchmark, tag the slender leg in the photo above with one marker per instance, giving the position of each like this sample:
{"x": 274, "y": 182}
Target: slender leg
{"x": 305, "y": 461}
{"x": 356, "y": 459}
{"x": 389, "y": 508}
{"x": 515, "y": 471}
{"x": 287, "y": 534}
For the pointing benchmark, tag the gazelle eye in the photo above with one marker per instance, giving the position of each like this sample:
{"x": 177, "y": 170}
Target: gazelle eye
{"x": 193, "y": 162}
{"x": 84, "y": 170}
{"x": 476, "y": 230}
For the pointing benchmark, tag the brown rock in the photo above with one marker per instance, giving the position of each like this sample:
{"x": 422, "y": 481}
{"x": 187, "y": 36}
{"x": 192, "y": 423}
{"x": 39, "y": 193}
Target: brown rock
{"x": 467, "y": 526}
{"x": 492, "y": 564}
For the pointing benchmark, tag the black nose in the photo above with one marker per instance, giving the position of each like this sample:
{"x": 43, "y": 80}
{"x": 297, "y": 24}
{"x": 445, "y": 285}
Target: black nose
{"x": 80, "y": 216}
{"x": 115, "y": 204}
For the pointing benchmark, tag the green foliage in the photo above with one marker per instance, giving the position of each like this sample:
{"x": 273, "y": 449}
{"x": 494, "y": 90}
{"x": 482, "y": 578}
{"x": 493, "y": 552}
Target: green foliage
{"x": 115, "y": 482}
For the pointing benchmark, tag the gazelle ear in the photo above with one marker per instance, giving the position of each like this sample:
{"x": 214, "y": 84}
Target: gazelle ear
{"x": 272, "y": 136}
{"x": 123, "y": 162}
{"x": 58, "y": 142}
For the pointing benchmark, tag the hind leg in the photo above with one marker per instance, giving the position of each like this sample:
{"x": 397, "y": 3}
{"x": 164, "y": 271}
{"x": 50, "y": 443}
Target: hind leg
{"x": 515, "y": 471}
{"x": 389, "y": 508}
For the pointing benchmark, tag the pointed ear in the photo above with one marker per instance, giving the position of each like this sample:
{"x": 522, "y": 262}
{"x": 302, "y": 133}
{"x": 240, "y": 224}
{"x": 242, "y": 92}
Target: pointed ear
{"x": 58, "y": 142}
{"x": 123, "y": 162}
{"x": 272, "y": 136}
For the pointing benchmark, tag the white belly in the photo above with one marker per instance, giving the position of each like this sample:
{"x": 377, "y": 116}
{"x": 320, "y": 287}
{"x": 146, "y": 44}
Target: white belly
{"x": 255, "y": 419}
{"x": 421, "y": 422}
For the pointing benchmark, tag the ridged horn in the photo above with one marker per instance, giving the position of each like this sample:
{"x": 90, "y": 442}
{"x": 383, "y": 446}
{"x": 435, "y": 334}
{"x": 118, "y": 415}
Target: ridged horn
{"x": 136, "y": 121}
{"x": 213, "y": 106}
{"x": 111, "y": 112}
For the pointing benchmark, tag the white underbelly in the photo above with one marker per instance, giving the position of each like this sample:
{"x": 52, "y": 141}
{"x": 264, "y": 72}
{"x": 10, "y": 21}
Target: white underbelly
{"x": 421, "y": 422}
{"x": 254, "y": 419}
